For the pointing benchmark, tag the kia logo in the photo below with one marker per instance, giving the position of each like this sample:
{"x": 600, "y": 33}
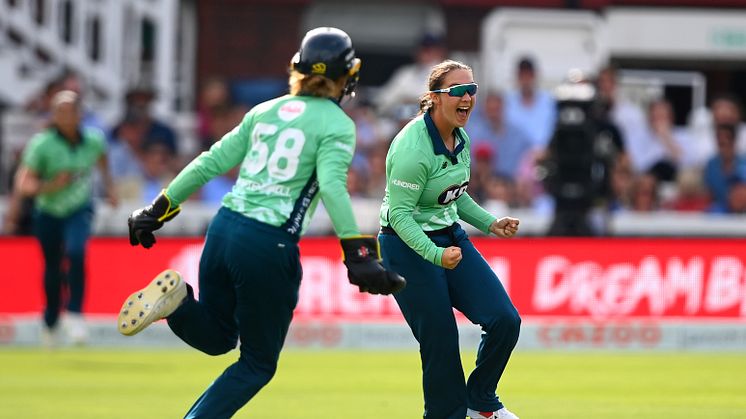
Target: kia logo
{"x": 452, "y": 193}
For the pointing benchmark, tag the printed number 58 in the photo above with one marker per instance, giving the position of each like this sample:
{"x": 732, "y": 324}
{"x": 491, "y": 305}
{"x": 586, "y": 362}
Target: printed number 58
{"x": 282, "y": 163}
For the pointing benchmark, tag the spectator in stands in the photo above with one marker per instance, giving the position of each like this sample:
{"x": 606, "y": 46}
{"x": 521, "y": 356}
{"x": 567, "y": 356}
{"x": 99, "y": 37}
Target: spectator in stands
{"x": 369, "y": 128}
{"x": 660, "y": 150}
{"x": 157, "y": 163}
{"x": 482, "y": 156}
{"x": 214, "y": 191}
{"x": 136, "y": 132}
{"x": 727, "y": 110}
{"x": 376, "y": 183}
{"x": 125, "y": 154}
{"x": 356, "y": 180}
{"x": 691, "y": 192}
{"x": 625, "y": 115}
{"x": 507, "y": 143}
{"x": 620, "y": 184}
{"x": 56, "y": 170}
{"x": 644, "y": 196}
{"x": 400, "y": 95}
{"x": 530, "y": 191}
{"x": 499, "y": 192}
{"x": 217, "y": 112}
{"x": 138, "y": 100}
{"x": 530, "y": 108}
{"x": 737, "y": 198}
{"x": 725, "y": 169}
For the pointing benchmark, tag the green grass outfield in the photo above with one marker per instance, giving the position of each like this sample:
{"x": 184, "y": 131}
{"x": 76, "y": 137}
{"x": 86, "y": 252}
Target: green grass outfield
{"x": 140, "y": 383}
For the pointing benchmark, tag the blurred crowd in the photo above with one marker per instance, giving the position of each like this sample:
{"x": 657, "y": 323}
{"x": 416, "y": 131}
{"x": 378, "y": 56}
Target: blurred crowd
{"x": 657, "y": 165}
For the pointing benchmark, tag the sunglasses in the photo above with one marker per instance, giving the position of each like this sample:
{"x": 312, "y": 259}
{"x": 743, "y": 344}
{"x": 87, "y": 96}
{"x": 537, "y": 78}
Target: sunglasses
{"x": 459, "y": 90}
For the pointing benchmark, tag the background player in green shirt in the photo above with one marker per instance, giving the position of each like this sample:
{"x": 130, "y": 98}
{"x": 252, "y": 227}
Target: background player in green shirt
{"x": 56, "y": 169}
{"x": 292, "y": 150}
{"x": 427, "y": 173}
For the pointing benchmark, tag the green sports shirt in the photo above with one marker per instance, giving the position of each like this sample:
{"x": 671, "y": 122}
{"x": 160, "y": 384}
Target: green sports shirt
{"x": 48, "y": 154}
{"x": 292, "y": 150}
{"x": 426, "y": 187}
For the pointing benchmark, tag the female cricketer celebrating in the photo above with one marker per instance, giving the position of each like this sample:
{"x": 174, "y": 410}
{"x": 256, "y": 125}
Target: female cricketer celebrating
{"x": 427, "y": 173}
{"x": 291, "y": 150}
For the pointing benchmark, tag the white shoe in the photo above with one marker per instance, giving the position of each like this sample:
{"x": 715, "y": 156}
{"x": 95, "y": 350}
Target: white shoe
{"x": 499, "y": 414}
{"x": 76, "y": 328}
{"x": 158, "y": 300}
{"x": 50, "y": 338}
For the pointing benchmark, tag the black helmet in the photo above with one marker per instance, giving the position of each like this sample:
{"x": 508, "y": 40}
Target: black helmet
{"x": 328, "y": 52}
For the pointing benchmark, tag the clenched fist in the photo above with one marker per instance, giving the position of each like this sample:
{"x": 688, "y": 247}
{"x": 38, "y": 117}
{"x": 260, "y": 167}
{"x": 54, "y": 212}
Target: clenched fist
{"x": 451, "y": 257}
{"x": 505, "y": 227}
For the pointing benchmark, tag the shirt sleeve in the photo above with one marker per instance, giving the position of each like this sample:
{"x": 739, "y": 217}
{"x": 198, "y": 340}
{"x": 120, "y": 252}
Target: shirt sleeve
{"x": 221, "y": 157}
{"x": 33, "y": 157}
{"x": 407, "y": 179}
{"x": 100, "y": 138}
{"x": 472, "y": 213}
{"x": 332, "y": 163}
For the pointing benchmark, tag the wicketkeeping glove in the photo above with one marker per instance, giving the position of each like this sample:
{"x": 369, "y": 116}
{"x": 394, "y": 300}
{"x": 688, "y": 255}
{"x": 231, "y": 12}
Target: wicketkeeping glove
{"x": 144, "y": 221}
{"x": 364, "y": 269}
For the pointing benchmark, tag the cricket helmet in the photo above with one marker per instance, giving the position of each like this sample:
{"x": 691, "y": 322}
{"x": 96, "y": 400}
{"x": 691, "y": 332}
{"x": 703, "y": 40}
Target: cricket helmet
{"x": 328, "y": 52}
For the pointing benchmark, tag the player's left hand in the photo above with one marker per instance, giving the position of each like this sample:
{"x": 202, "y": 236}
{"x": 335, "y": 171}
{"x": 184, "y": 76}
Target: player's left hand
{"x": 505, "y": 227}
{"x": 144, "y": 221}
{"x": 363, "y": 261}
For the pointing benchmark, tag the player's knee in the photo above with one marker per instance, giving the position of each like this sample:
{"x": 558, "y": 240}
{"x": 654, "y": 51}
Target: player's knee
{"x": 263, "y": 368}
{"x": 75, "y": 254}
{"x": 507, "y": 322}
{"x": 513, "y": 323}
{"x": 221, "y": 348}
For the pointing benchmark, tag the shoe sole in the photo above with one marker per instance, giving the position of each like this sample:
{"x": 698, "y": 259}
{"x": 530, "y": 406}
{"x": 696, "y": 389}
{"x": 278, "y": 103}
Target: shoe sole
{"x": 157, "y": 300}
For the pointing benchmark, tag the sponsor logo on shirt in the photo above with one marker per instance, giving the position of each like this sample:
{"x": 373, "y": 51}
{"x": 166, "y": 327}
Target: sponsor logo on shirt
{"x": 452, "y": 193}
{"x": 291, "y": 110}
{"x": 343, "y": 146}
{"x": 295, "y": 222}
{"x": 265, "y": 188}
{"x": 406, "y": 185}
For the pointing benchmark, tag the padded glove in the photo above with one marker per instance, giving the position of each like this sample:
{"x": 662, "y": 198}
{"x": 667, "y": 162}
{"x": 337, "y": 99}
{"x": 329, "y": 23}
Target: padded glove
{"x": 144, "y": 221}
{"x": 364, "y": 269}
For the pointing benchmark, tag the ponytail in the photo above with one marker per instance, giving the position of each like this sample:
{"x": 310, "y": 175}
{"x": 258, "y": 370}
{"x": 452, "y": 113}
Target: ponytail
{"x": 426, "y": 102}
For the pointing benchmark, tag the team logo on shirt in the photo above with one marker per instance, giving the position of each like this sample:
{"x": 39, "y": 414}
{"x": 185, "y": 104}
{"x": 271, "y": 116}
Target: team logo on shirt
{"x": 291, "y": 110}
{"x": 452, "y": 193}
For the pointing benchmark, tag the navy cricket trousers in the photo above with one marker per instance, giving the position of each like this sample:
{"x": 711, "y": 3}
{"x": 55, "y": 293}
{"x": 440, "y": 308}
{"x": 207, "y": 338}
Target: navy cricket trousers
{"x": 63, "y": 241}
{"x": 249, "y": 275}
{"x": 427, "y": 304}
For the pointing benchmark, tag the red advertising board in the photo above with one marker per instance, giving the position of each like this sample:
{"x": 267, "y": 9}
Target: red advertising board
{"x": 595, "y": 279}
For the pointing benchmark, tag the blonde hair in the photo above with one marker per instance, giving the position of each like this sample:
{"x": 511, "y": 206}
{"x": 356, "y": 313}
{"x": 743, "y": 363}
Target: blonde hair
{"x": 437, "y": 74}
{"x": 315, "y": 85}
{"x": 65, "y": 96}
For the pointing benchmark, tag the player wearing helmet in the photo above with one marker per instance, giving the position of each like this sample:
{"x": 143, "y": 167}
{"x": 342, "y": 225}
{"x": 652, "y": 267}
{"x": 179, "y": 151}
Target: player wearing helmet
{"x": 292, "y": 150}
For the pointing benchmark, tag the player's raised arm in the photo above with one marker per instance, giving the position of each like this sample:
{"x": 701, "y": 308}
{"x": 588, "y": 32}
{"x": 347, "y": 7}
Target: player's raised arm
{"x": 221, "y": 157}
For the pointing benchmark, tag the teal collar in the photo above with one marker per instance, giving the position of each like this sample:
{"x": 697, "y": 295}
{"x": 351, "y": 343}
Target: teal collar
{"x": 439, "y": 147}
